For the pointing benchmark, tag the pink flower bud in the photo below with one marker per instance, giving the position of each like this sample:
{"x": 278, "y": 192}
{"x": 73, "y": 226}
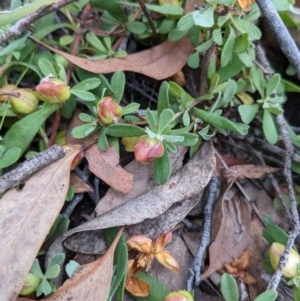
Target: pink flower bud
{"x": 179, "y": 296}
{"x": 109, "y": 111}
{"x": 147, "y": 149}
{"x": 52, "y": 90}
{"x": 290, "y": 269}
{"x": 23, "y": 101}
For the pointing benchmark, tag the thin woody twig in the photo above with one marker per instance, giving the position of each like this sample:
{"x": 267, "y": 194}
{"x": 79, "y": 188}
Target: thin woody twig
{"x": 19, "y": 174}
{"x": 195, "y": 268}
{"x": 289, "y": 151}
{"x": 286, "y": 42}
{"x": 19, "y": 27}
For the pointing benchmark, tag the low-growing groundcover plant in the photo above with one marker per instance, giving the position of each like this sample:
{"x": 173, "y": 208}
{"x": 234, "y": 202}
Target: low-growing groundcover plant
{"x": 239, "y": 96}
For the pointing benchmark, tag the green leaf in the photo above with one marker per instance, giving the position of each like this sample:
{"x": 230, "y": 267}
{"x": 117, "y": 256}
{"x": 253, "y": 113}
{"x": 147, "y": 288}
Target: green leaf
{"x": 177, "y": 91}
{"x": 52, "y": 272}
{"x": 220, "y": 122}
{"x": 136, "y": 27}
{"x": 248, "y": 112}
{"x": 66, "y": 40}
{"x": 158, "y": 291}
{"x": 172, "y": 139}
{"x": 95, "y": 41}
{"x": 241, "y": 43}
{"x": 131, "y": 108}
{"x": 282, "y": 5}
{"x": 194, "y": 60}
{"x": 229, "y": 92}
{"x": 296, "y": 293}
{"x": 87, "y": 84}
{"x": 71, "y": 267}
{"x": 290, "y": 86}
{"x": 85, "y": 95}
{"x": 152, "y": 120}
{"x": 36, "y": 269}
{"x": 269, "y": 127}
{"x": 44, "y": 288}
{"x": 229, "y": 288}
{"x": 102, "y": 140}
{"x": 185, "y": 22}
{"x": 186, "y": 120}
{"x": 269, "y": 295}
{"x": 273, "y": 84}
{"x": 120, "y": 261}
{"x": 163, "y": 97}
{"x": 162, "y": 169}
{"x": 57, "y": 259}
{"x": 86, "y": 117}
{"x": 244, "y": 26}
{"x": 231, "y": 69}
{"x": 8, "y": 17}
{"x": 217, "y": 36}
{"x": 169, "y": 10}
{"x": 59, "y": 227}
{"x": 274, "y": 233}
{"x": 227, "y": 51}
{"x": 14, "y": 45}
{"x": 204, "y": 17}
{"x": 10, "y": 157}
{"x": 258, "y": 80}
{"x": 83, "y": 130}
{"x": 124, "y": 130}
{"x": 189, "y": 139}
{"x": 245, "y": 59}
{"x": 117, "y": 84}
{"x": 165, "y": 119}
{"x": 113, "y": 7}
{"x": 46, "y": 67}
{"x": 22, "y": 132}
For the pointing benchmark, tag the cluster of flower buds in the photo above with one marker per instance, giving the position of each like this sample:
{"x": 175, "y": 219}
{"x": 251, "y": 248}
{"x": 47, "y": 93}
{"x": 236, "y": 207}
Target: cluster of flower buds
{"x": 53, "y": 90}
{"x": 181, "y": 295}
{"x": 291, "y": 267}
{"x": 108, "y": 110}
{"x": 147, "y": 149}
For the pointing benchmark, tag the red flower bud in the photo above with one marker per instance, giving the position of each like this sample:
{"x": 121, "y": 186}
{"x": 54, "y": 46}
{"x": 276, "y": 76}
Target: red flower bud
{"x": 147, "y": 149}
{"x": 108, "y": 110}
{"x": 23, "y": 101}
{"x": 52, "y": 90}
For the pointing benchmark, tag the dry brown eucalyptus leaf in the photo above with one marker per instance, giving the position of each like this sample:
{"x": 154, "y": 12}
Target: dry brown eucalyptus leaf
{"x": 231, "y": 227}
{"x": 105, "y": 165}
{"x": 186, "y": 183}
{"x": 79, "y": 185}
{"x": 249, "y": 171}
{"x": 159, "y": 62}
{"x": 26, "y": 218}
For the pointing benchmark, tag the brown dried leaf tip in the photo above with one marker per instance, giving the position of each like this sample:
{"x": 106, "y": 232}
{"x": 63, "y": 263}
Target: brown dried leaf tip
{"x": 245, "y": 4}
{"x": 238, "y": 268}
{"x": 147, "y": 250}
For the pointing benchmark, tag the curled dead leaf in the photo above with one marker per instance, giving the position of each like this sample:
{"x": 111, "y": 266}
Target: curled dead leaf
{"x": 238, "y": 267}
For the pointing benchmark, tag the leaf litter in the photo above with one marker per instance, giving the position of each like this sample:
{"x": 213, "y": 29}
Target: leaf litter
{"x": 26, "y": 218}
